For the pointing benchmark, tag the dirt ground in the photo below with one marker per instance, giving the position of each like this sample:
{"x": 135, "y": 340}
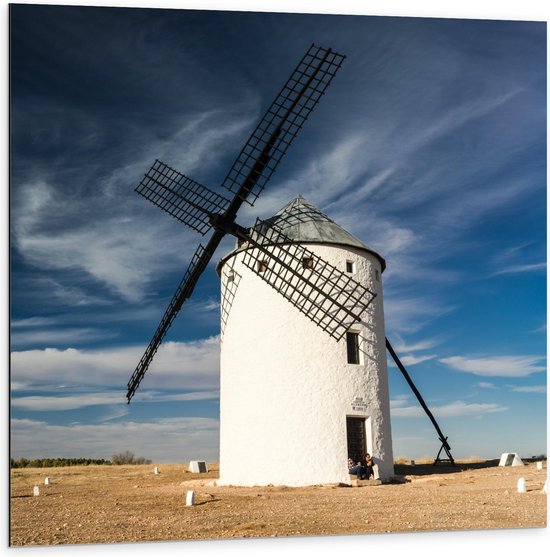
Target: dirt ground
{"x": 104, "y": 504}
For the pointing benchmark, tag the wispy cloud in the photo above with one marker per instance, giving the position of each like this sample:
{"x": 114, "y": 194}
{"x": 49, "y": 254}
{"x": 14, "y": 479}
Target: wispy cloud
{"x": 64, "y": 402}
{"x": 121, "y": 255}
{"x": 178, "y": 365}
{"x": 408, "y": 352}
{"x": 115, "y": 399}
{"x": 399, "y": 401}
{"x": 361, "y": 160}
{"x": 380, "y": 186}
{"x": 52, "y": 292}
{"x": 401, "y": 345}
{"x": 174, "y": 440}
{"x": 497, "y": 366}
{"x": 452, "y": 410}
{"x": 208, "y": 305}
{"x": 212, "y": 131}
{"x": 411, "y": 359}
{"x": 519, "y": 259}
{"x": 33, "y": 322}
{"x": 112, "y": 412}
{"x": 486, "y": 385}
{"x": 518, "y": 269}
{"x": 540, "y": 389}
{"x": 65, "y": 337}
{"x": 109, "y": 236}
{"x": 409, "y": 315}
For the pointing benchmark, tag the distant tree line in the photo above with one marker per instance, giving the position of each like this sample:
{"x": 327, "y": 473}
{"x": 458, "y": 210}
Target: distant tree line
{"x": 53, "y": 462}
{"x": 127, "y": 457}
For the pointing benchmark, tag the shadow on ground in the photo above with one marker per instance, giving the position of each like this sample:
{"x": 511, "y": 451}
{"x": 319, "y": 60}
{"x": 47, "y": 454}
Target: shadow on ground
{"x": 446, "y": 468}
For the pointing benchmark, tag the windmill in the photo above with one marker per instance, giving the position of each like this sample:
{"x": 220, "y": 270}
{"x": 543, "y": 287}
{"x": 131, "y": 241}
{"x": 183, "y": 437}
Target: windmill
{"x": 332, "y": 299}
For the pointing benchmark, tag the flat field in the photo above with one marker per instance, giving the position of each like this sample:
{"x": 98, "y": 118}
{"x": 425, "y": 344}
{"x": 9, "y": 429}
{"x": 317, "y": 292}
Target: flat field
{"x": 105, "y": 504}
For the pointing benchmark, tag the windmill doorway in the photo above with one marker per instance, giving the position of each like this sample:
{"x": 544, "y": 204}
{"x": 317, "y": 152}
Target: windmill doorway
{"x": 357, "y": 437}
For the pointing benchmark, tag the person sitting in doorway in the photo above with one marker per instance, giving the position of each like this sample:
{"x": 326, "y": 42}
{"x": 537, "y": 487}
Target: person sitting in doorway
{"x": 369, "y": 466}
{"x": 358, "y": 470}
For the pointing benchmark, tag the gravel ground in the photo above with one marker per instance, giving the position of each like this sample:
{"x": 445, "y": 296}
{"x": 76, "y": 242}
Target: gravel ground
{"x": 105, "y": 504}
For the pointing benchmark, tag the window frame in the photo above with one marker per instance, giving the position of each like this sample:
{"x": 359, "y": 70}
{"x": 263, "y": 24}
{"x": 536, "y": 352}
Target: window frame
{"x": 308, "y": 262}
{"x": 353, "y": 348}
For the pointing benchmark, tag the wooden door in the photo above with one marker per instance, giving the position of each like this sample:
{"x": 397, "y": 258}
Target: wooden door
{"x": 357, "y": 442}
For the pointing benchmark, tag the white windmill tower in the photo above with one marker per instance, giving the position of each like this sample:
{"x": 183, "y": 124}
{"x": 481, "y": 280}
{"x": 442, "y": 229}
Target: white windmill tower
{"x": 295, "y": 403}
{"x": 326, "y": 406}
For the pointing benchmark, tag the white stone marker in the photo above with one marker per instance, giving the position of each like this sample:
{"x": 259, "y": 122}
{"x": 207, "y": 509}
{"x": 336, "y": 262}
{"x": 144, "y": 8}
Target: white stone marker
{"x": 46, "y": 481}
{"x": 36, "y": 491}
{"x": 157, "y": 471}
{"x": 522, "y": 487}
{"x": 545, "y": 488}
{"x": 190, "y": 499}
{"x": 198, "y": 466}
{"x": 510, "y": 459}
{"x": 539, "y": 465}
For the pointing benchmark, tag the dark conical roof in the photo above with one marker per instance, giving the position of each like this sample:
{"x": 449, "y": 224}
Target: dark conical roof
{"x": 301, "y": 222}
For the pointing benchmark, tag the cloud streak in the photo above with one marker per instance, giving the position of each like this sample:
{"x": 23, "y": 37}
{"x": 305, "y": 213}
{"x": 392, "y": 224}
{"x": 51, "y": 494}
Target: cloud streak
{"x": 60, "y": 336}
{"x": 411, "y": 359}
{"x": 518, "y": 269}
{"x": 453, "y": 410}
{"x": 496, "y": 366}
{"x": 110, "y": 237}
{"x": 175, "y": 440}
{"x": 178, "y": 365}
{"x": 486, "y": 385}
{"x": 76, "y": 401}
{"x": 409, "y": 315}
{"x": 538, "y": 389}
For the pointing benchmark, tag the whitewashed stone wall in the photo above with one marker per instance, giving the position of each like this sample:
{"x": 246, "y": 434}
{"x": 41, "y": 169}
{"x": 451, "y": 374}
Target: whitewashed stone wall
{"x": 286, "y": 386}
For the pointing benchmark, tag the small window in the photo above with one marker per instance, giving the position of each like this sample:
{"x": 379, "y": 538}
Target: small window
{"x": 262, "y": 266}
{"x": 308, "y": 262}
{"x": 230, "y": 276}
{"x": 377, "y": 274}
{"x": 353, "y": 347}
{"x": 350, "y": 267}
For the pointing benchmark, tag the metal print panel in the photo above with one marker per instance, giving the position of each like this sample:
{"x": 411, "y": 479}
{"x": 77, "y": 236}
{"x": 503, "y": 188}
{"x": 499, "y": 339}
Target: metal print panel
{"x": 424, "y": 164}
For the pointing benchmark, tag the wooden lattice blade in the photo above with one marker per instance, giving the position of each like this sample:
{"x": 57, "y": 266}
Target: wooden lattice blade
{"x": 201, "y": 208}
{"x": 333, "y": 300}
{"x": 198, "y": 264}
{"x": 283, "y": 120}
{"x": 180, "y": 196}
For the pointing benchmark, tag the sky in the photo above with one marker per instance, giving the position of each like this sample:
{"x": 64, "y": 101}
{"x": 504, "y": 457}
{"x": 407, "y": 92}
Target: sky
{"x": 429, "y": 146}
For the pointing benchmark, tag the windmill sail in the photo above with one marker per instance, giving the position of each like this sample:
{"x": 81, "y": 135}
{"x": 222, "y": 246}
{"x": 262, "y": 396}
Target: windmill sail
{"x": 183, "y": 198}
{"x": 202, "y": 209}
{"x": 332, "y": 299}
{"x": 283, "y": 120}
{"x": 185, "y": 289}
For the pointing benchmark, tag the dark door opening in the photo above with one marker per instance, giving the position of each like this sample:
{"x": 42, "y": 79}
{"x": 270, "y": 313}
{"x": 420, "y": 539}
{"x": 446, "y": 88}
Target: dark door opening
{"x": 357, "y": 441}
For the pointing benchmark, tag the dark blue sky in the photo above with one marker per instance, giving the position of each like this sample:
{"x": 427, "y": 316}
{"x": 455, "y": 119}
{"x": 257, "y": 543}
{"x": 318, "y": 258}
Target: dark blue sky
{"x": 429, "y": 146}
